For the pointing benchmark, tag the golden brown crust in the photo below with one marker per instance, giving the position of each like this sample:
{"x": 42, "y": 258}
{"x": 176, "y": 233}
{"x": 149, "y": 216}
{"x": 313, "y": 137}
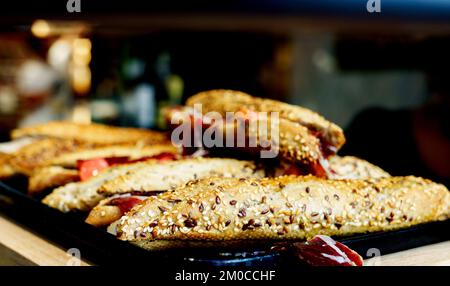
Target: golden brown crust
{"x": 222, "y": 101}
{"x": 83, "y": 196}
{"x": 285, "y": 208}
{"x": 167, "y": 175}
{"x": 103, "y": 214}
{"x": 37, "y": 154}
{"x": 284, "y": 139}
{"x": 6, "y": 170}
{"x": 295, "y": 143}
{"x": 349, "y": 167}
{"x": 133, "y": 152}
{"x": 91, "y": 133}
{"x": 50, "y": 177}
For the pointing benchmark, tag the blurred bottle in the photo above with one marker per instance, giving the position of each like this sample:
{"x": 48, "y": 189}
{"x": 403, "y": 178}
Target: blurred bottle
{"x": 138, "y": 101}
{"x": 169, "y": 86}
{"x": 149, "y": 86}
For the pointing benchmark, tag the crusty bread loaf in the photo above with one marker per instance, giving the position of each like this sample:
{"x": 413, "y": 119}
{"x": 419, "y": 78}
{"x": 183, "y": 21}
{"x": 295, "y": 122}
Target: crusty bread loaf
{"x": 169, "y": 174}
{"x": 103, "y": 215}
{"x": 50, "y": 177}
{"x": 288, "y": 141}
{"x": 37, "y": 154}
{"x": 284, "y": 208}
{"x": 295, "y": 143}
{"x": 91, "y": 133}
{"x": 84, "y": 196}
{"x": 133, "y": 152}
{"x": 107, "y": 211}
{"x": 349, "y": 167}
{"x": 223, "y": 101}
{"x": 6, "y": 170}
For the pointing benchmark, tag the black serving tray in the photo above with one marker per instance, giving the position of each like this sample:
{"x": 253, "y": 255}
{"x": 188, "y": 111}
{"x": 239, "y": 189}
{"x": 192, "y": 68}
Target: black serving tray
{"x": 99, "y": 247}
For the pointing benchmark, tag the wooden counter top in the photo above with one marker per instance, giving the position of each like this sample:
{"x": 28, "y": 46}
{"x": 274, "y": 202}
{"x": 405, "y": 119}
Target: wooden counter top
{"x": 19, "y": 246}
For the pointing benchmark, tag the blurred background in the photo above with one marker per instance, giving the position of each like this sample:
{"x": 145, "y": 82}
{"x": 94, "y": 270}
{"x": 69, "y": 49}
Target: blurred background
{"x": 383, "y": 77}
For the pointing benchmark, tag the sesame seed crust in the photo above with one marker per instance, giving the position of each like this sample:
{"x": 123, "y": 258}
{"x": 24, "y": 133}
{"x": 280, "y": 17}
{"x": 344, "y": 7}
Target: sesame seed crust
{"x": 293, "y": 213}
{"x": 144, "y": 177}
{"x": 222, "y": 101}
{"x": 97, "y": 134}
{"x": 35, "y": 155}
{"x": 165, "y": 175}
{"x": 83, "y": 196}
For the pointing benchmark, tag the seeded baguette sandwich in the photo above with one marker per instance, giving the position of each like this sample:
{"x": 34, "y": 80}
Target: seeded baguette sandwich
{"x": 154, "y": 178}
{"x": 167, "y": 175}
{"x": 91, "y": 133}
{"x": 283, "y": 208}
{"x": 130, "y": 152}
{"x": 160, "y": 176}
{"x": 37, "y": 154}
{"x": 111, "y": 209}
{"x": 83, "y": 196}
{"x": 223, "y": 101}
{"x": 50, "y": 177}
{"x": 299, "y": 138}
{"x": 58, "y": 165}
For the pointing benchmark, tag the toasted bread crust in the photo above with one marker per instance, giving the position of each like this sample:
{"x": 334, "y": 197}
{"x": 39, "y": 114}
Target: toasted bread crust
{"x": 284, "y": 139}
{"x": 103, "y": 214}
{"x": 50, "y": 177}
{"x": 223, "y": 101}
{"x": 83, "y": 196}
{"x": 284, "y": 208}
{"x": 295, "y": 142}
{"x": 6, "y": 170}
{"x": 37, "y": 154}
{"x": 349, "y": 167}
{"x": 91, "y": 133}
{"x": 169, "y": 174}
{"x": 131, "y": 151}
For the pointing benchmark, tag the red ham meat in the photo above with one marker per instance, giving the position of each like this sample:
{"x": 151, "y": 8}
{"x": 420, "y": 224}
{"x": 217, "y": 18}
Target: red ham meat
{"x": 125, "y": 204}
{"x": 322, "y": 250}
{"x": 91, "y": 167}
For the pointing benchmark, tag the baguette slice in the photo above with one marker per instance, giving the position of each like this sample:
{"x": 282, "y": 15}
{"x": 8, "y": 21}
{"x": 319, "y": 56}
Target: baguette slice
{"x": 91, "y": 133}
{"x": 6, "y": 170}
{"x": 37, "y": 154}
{"x": 84, "y": 196}
{"x": 170, "y": 174}
{"x": 50, "y": 177}
{"x": 223, "y": 101}
{"x": 133, "y": 152}
{"x": 111, "y": 209}
{"x": 284, "y": 208}
{"x": 257, "y": 135}
{"x": 349, "y": 167}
